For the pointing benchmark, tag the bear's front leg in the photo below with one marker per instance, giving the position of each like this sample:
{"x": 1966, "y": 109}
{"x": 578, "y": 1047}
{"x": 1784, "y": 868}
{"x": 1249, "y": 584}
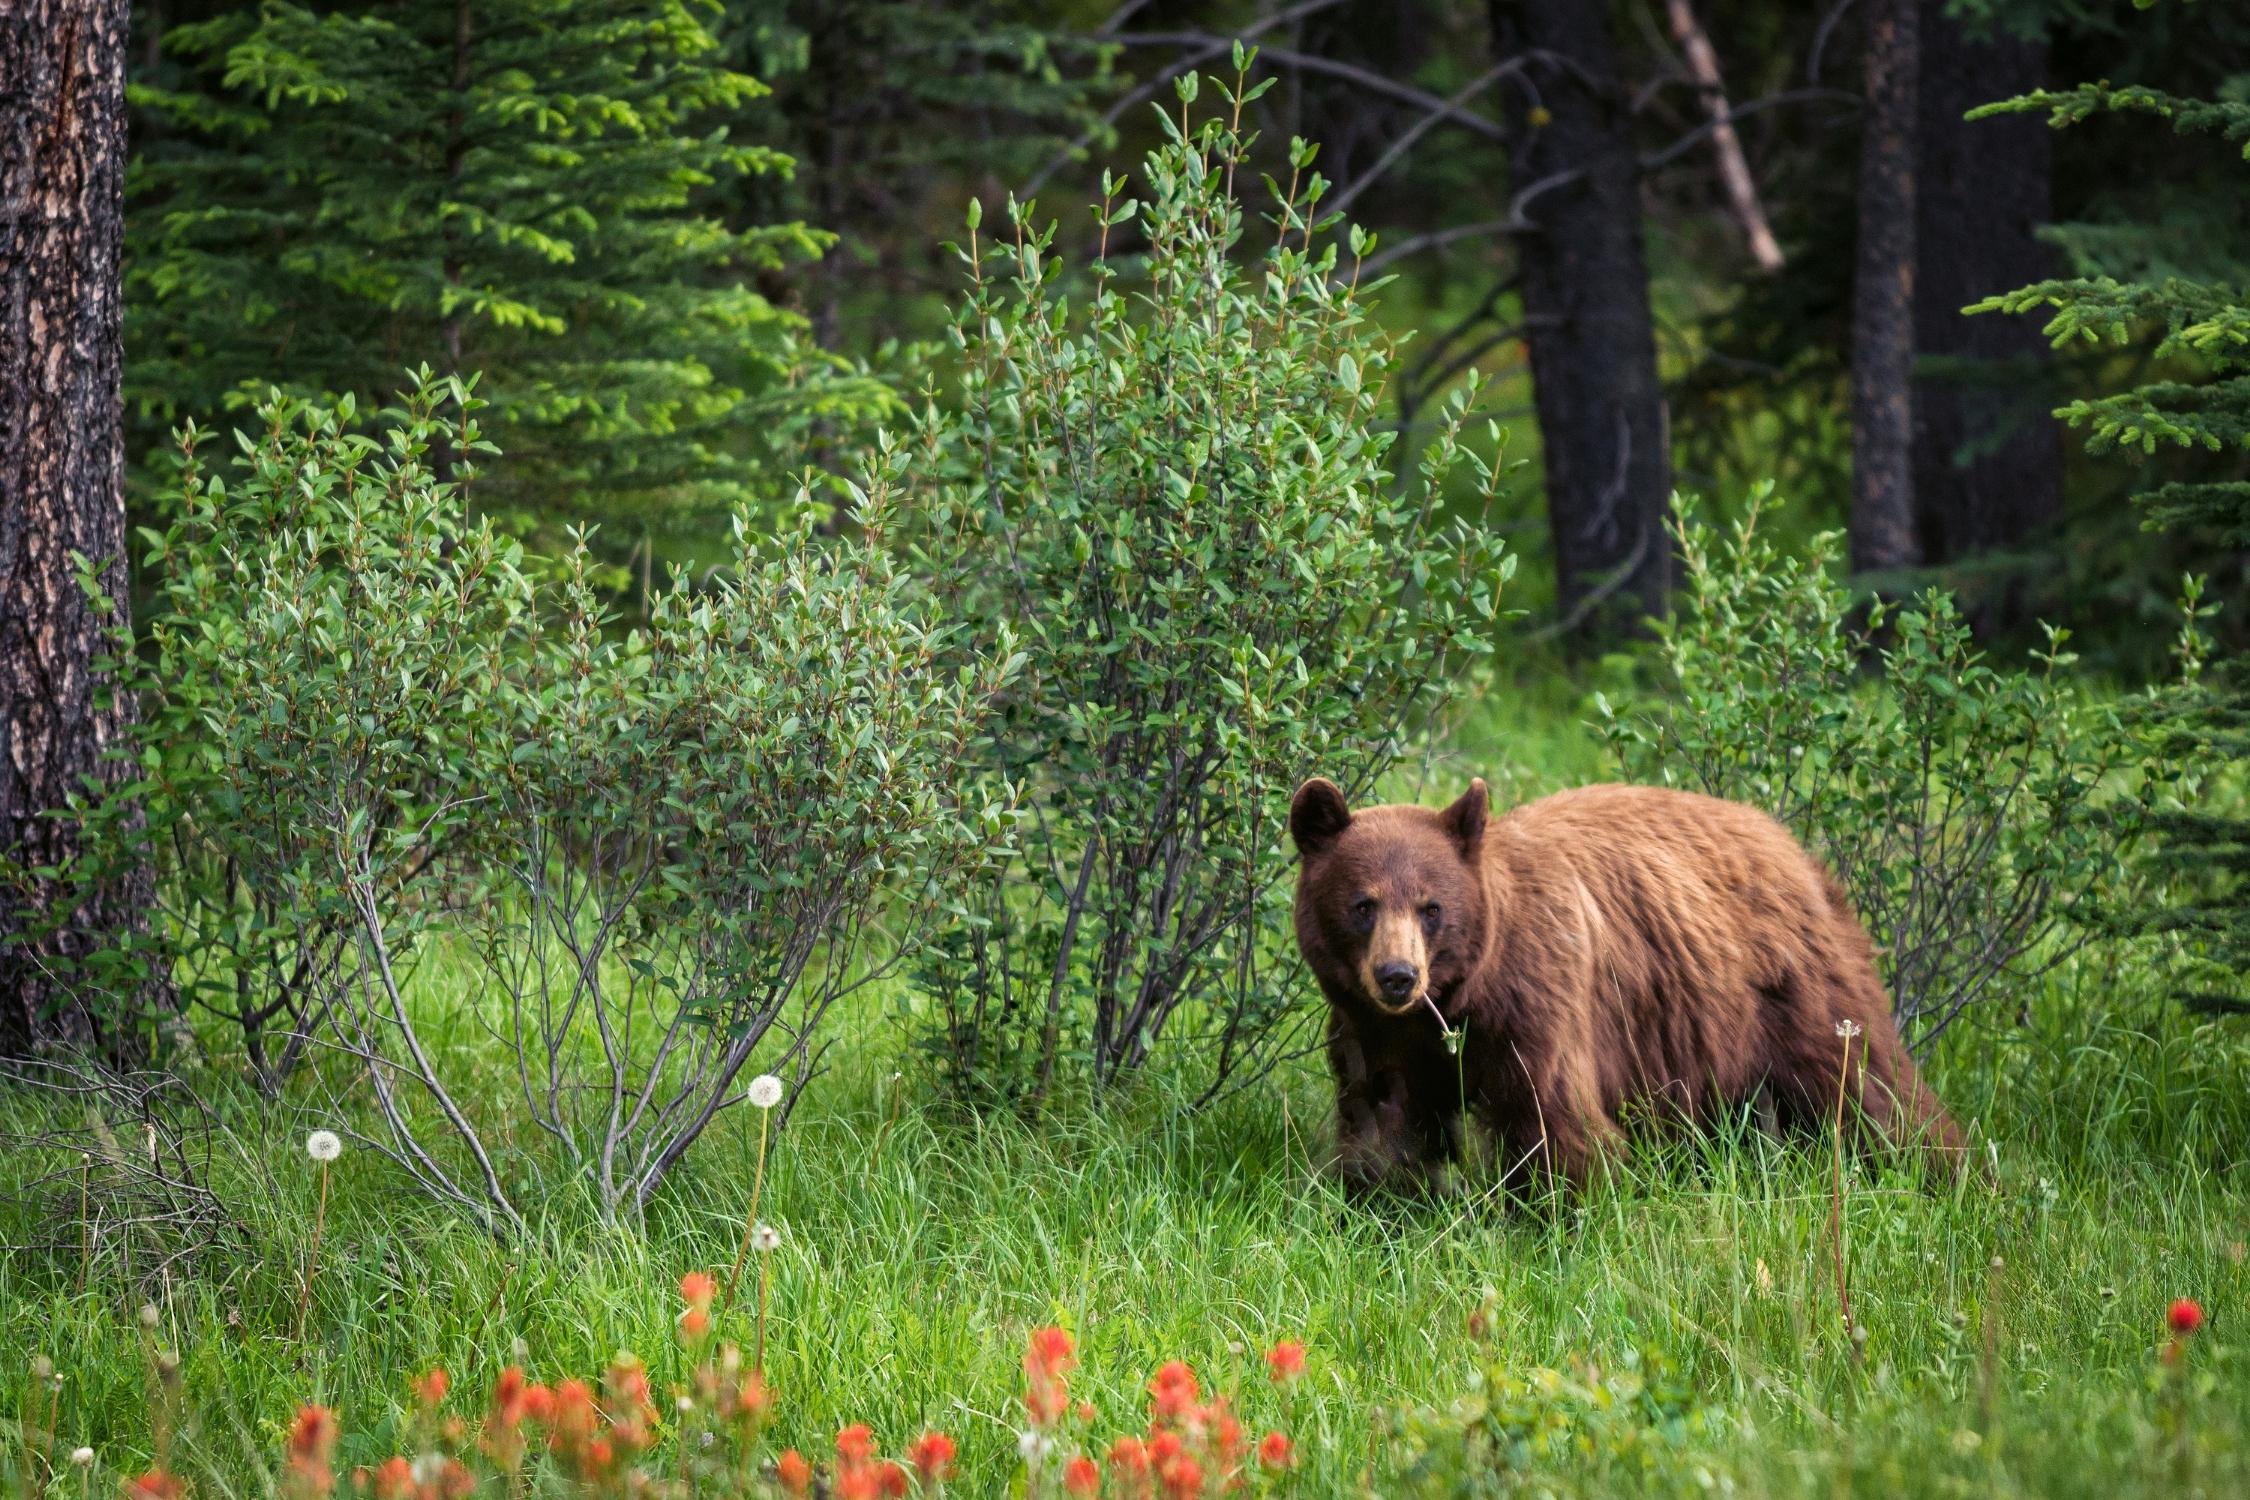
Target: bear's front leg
{"x": 1392, "y": 1128}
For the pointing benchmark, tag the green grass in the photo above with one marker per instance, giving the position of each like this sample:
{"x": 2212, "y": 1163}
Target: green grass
{"x": 923, "y": 1245}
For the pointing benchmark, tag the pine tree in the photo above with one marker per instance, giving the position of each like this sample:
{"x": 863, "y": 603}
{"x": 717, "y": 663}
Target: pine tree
{"x": 2201, "y": 403}
{"x": 522, "y": 189}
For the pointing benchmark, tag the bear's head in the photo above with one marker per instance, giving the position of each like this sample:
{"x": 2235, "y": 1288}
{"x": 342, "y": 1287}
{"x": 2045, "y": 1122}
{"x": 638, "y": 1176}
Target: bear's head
{"x": 1391, "y": 907}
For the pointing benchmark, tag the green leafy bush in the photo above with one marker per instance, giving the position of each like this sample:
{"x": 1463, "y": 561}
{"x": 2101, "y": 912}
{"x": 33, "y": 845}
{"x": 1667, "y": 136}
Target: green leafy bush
{"x": 375, "y": 736}
{"x": 1958, "y": 802}
{"x": 1180, "y": 503}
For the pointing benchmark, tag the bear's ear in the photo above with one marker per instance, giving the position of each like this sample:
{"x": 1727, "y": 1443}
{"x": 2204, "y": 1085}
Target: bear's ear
{"x": 1317, "y": 814}
{"x": 1464, "y": 820}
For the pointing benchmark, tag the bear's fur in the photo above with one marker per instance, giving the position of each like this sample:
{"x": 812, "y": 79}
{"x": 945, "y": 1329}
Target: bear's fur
{"x": 1610, "y": 954}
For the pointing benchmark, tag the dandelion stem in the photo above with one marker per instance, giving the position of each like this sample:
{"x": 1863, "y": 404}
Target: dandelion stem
{"x": 750, "y": 1222}
{"x": 1836, "y": 1186}
{"x": 758, "y": 1339}
{"x": 85, "y": 1218}
{"x": 312, "y": 1257}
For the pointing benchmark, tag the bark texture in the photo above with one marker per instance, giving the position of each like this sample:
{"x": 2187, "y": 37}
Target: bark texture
{"x": 1987, "y": 457}
{"x": 62, "y": 163}
{"x": 1576, "y": 181}
{"x": 1882, "y": 520}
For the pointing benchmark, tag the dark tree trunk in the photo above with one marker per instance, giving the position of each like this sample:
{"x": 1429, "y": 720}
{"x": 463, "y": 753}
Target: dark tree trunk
{"x": 1882, "y": 519}
{"x": 62, "y": 165}
{"x": 1586, "y": 313}
{"x": 1987, "y": 457}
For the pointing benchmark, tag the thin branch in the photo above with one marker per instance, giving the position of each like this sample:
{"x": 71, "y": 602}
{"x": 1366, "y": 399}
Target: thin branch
{"x": 1734, "y": 167}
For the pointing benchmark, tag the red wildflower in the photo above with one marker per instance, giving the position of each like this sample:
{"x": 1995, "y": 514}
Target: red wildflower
{"x": 855, "y": 1445}
{"x": 430, "y": 1389}
{"x": 694, "y": 1323}
{"x": 394, "y": 1480}
{"x": 1286, "y": 1360}
{"x": 1048, "y": 1359}
{"x": 2185, "y": 1316}
{"x": 507, "y": 1395}
{"x": 891, "y": 1482}
{"x": 1128, "y": 1466}
{"x": 599, "y": 1455}
{"x": 932, "y": 1457}
{"x": 1085, "y": 1411}
{"x": 792, "y": 1473}
{"x": 312, "y": 1439}
{"x": 1080, "y": 1477}
{"x": 1182, "y": 1477}
{"x": 572, "y": 1422}
{"x": 1275, "y": 1452}
{"x": 454, "y": 1482}
{"x": 1051, "y": 1352}
{"x": 697, "y": 1288}
{"x": 510, "y": 1405}
{"x": 155, "y": 1485}
{"x": 1174, "y": 1390}
{"x": 539, "y": 1404}
{"x": 1225, "y": 1432}
{"x": 752, "y": 1399}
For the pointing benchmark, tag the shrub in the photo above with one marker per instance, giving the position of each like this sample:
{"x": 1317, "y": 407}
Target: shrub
{"x": 1179, "y": 503}
{"x": 378, "y": 738}
{"x": 1956, "y": 801}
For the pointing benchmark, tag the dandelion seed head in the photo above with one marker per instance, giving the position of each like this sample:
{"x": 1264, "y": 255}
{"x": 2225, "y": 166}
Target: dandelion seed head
{"x": 1847, "y": 1029}
{"x": 765, "y": 1091}
{"x": 323, "y": 1145}
{"x": 83, "y": 1457}
{"x": 148, "y": 1315}
{"x": 765, "y": 1237}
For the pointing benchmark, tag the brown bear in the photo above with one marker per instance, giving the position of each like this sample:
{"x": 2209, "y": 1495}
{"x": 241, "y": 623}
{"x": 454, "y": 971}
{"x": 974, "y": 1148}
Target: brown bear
{"x": 1606, "y": 954}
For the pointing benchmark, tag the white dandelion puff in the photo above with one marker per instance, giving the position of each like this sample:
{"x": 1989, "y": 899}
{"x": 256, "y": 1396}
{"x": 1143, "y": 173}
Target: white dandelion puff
{"x": 765, "y": 1237}
{"x": 1847, "y": 1029}
{"x": 323, "y": 1145}
{"x": 83, "y": 1457}
{"x": 765, "y": 1091}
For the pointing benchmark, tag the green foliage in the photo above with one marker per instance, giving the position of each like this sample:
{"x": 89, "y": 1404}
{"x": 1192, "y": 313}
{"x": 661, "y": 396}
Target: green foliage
{"x": 1958, "y": 803}
{"x": 372, "y": 733}
{"x": 1180, "y": 504}
{"x": 2201, "y": 402}
{"x": 526, "y": 188}
{"x": 1633, "y": 1424}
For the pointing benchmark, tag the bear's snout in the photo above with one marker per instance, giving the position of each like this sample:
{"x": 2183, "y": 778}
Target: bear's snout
{"x": 1398, "y": 981}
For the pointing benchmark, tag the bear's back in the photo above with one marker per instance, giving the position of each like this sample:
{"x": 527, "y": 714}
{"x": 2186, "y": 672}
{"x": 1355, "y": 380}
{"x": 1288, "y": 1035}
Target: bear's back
{"x": 1661, "y": 916}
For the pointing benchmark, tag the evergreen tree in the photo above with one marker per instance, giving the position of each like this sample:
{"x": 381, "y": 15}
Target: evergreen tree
{"x": 2200, "y": 401}
{"x": 528, "y": 190}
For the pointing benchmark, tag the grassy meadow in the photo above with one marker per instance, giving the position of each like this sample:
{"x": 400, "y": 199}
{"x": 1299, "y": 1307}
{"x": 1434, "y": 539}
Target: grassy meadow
{"x": 2014, "y": 1335}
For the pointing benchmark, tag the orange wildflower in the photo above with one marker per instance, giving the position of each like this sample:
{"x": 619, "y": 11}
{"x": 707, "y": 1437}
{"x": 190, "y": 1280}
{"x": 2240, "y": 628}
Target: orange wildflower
{"x": 932, "y": 1456}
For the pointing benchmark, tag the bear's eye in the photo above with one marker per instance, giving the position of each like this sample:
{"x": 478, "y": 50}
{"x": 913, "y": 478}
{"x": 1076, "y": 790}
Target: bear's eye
{"x": 1363, "y": 912}
{"x": 1430, "y": 915}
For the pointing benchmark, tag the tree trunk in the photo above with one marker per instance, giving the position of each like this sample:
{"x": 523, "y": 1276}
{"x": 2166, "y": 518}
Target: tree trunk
{"x": 1987, "y": 456}
{"x": 1882, "y": 521}
{"x": 62, "y": 164}
{"x": 1587, "y": 327}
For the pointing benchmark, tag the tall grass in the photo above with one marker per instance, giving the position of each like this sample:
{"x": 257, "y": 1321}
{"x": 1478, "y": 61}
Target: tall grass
{"x": 2013, "y": 1332}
